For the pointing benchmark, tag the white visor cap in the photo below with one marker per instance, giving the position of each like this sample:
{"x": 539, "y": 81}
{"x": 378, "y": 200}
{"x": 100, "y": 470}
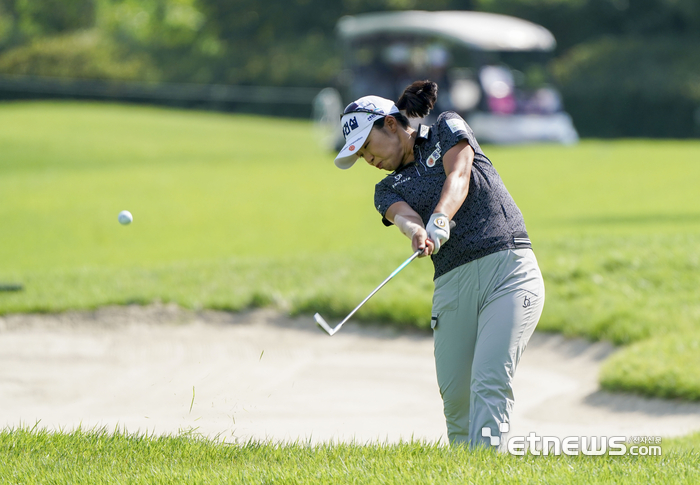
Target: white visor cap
{"x": 357, "y": 123}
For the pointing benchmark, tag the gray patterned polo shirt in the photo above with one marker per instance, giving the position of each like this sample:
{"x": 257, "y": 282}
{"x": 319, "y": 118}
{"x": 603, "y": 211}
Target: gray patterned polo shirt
{"x": 488, "y": 221}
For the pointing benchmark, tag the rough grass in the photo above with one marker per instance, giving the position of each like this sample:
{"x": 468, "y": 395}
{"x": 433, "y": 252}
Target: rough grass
{"x": 239, "y": 211}
{"x": 622, "y": 289}
{"x": 665, "y": 366}
{"x": 38, "y": 456}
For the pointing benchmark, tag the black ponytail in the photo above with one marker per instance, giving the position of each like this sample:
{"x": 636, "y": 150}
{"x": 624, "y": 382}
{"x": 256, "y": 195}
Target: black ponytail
{"x": 418, "y": 99}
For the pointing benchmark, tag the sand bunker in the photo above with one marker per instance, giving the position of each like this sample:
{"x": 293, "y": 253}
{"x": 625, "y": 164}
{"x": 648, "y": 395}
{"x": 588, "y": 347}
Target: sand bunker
{"x": 263, "y": 375}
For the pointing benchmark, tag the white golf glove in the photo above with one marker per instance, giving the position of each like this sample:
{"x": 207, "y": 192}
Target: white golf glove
{"x": 438, "y": 230}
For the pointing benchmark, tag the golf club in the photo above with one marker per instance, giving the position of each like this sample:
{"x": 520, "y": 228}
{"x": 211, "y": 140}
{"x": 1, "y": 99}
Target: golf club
{"x": 319, "y": 319}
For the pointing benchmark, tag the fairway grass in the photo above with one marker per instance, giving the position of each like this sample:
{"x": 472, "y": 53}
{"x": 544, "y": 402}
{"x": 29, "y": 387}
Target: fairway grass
{"x": 38, "y": 456}
{"x": 232, "y": 212}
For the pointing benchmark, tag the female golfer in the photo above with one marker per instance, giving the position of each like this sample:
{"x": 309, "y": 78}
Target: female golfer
{"x": 444, "y": 194}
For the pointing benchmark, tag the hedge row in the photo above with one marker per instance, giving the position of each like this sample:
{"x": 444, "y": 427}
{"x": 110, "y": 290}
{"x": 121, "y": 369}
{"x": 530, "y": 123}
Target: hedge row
{"x": 637, "y": 87}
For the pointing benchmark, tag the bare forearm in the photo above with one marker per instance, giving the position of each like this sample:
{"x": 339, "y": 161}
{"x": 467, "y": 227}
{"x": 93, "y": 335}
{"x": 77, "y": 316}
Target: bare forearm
{"x": 411, "y": 225}
{"x": 458, "y": 168}
{"x": 408, "y": 224}
{"x": 454, "y": 193}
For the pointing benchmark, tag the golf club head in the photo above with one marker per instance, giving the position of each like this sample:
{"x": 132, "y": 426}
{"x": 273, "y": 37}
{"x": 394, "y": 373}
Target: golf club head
{"x": 324, "y": 325}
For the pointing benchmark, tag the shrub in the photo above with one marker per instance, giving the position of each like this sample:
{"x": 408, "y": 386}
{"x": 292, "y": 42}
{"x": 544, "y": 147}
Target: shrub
{"x": 617, "y": 87}
{"x": 84, "y": 54}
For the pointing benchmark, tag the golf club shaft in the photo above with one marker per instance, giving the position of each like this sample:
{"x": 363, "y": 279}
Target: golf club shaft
{"x": 396, "y": 271}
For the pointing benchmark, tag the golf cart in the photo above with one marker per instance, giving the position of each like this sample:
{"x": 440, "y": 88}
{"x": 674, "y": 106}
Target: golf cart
{"x": 490, "y": 68}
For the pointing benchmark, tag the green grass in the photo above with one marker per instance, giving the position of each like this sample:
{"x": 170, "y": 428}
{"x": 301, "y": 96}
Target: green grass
{"x": 239, "y": 211}
{"x": 622, "y": 289}
{"x": 38, "y": 456}
{"x": 663, "y": 367}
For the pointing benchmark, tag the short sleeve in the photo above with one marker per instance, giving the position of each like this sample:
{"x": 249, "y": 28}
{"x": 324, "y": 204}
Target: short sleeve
{"x": 452, "y": 129}
{"x": 384, "y": 197}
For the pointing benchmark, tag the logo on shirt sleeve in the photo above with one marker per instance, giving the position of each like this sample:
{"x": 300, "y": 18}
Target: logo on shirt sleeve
{"x": 456, "y": 125}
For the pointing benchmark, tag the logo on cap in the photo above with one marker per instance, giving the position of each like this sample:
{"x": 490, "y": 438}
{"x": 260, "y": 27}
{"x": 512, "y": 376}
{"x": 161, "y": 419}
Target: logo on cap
{"x": 351, "y": 148}
{"x": 350, "y": 125}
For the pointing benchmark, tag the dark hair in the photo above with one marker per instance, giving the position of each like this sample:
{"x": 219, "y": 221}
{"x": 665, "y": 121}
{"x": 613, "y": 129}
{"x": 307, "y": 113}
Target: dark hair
{"x": 417, "y": 100}
{"x": 400, "y": 119}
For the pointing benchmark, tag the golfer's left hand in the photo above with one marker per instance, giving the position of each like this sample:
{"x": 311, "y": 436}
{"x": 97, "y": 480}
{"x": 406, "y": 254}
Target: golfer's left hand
{"x": 438, "y": 230}
{"x": 420, "y": 242}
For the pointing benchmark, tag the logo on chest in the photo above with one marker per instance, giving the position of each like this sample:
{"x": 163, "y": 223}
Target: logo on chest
{"x": 399, "y": 179}
{"x": 434, "y": 157}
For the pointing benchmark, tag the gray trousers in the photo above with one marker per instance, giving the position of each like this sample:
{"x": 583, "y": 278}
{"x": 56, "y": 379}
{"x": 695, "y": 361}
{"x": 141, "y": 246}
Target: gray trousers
{"x": 484, "y": 313}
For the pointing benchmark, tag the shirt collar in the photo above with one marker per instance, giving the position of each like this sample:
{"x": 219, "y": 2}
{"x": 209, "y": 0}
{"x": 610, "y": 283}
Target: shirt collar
{"x": 423, "y": 133}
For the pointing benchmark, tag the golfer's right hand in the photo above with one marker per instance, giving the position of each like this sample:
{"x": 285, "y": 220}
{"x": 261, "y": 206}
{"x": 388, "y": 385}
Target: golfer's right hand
{"x": 420, "y": 241}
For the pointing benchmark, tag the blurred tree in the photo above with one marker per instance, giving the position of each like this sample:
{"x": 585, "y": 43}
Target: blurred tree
{"x": 85, "y": 54}
{"x": 576, "y": 21}
{"x": 293, "y": 42}
{"x": 21, "y": 20}
{"x": 625, "y": 67}
{"x": 171, "y": 32}
{"x": 8, "y": 21}
{"x": 290, "y": 41}
{"x": 152, "y": 23}
{"x": 49, "y": 17}
{"x": 633, "y": 86}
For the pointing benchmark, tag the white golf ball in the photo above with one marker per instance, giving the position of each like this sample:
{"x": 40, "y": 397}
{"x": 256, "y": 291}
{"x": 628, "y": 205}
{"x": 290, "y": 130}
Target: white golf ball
{"x": 125, "y": 217}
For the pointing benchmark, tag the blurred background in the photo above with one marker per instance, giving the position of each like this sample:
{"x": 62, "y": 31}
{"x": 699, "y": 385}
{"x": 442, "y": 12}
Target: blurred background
{"x": 154, "y": 106}
{"x": 621, "y": 68}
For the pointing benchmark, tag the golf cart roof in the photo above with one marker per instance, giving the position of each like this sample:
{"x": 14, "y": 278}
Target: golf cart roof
{"x": 475, "y": 30}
